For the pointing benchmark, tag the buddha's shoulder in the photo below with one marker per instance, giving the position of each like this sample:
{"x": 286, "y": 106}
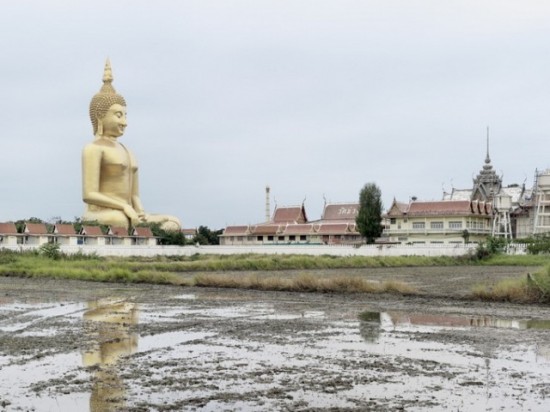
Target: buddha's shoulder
{"x": 98, "y": 145}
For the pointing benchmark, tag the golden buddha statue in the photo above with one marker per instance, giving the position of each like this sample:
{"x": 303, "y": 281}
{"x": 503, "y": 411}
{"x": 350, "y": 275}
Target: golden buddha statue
{"x": 110, "y": 184}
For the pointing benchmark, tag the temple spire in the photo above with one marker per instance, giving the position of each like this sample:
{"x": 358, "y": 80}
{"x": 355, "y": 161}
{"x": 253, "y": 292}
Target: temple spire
{"x": 487, "y": 158}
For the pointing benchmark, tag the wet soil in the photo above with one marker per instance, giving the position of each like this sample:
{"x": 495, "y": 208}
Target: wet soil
{"x": 68, "y": 345}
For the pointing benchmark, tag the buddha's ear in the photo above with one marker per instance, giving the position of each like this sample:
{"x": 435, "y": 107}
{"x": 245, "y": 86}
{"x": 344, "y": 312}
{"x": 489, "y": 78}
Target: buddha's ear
{"x": 99, "y": 131}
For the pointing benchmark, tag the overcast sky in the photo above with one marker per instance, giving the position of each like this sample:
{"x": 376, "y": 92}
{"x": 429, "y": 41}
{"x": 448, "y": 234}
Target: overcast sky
{"x": 313, "y": 98}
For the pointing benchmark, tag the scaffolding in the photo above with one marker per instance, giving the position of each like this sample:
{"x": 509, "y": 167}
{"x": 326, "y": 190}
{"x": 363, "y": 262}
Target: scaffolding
{"x": 542, "y": 199}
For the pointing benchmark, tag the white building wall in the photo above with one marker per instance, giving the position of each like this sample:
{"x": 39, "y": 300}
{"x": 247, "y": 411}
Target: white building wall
{"x": 314, "y": 250}
{"x": 8, "y": 240}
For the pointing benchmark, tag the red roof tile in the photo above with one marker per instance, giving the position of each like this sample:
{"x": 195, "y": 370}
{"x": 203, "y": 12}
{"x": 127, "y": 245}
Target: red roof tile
{"x": 36, "y": 229}
{"x": 64, "y": 229}
{"x": 189, "y": 232}
{"x": 143, "y": 232}
{"x": 448, "y": 207}
{"x": 266, "y": 229}
{"x": 118, "y": 231}
{"x": 442, "y": 208}
{"x": 333, "y": 229}
{"x": 344, "y": 211}
{"x": 299, "y": 229}
{"x": 236, "y": 230}
{"x": 91, "y": 231}
{"x": 8, "y": 229}
{"x": 292, "y": 214}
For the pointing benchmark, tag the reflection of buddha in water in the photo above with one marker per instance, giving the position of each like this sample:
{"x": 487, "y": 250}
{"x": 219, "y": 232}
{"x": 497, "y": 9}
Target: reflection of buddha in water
{"x": 110, "y": 184}
{"x": 112, "y": 321}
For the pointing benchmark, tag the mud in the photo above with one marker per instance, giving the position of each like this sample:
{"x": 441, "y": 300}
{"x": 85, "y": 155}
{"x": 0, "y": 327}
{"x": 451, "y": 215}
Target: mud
{"x": 108, "y": 347}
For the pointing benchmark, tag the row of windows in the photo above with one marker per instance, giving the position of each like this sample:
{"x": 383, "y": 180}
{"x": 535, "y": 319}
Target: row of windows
{"x": 270, "y": 238}
{"x": 435, "y": 242}
{"x": 289, "y": 238}
{"x": 436, "y": 225}
{"x": 451, "y": 225}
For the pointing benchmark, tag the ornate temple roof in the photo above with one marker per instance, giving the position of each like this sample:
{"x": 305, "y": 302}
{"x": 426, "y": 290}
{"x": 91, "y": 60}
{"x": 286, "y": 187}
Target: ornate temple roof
{"x": 487, "y": 183}
{"x": 340, "y": 212}
{"x": 290, "y": 214}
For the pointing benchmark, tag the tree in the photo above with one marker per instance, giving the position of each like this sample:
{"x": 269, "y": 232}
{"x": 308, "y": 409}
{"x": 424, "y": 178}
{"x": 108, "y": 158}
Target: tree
{"x": 166, "y": 237}
{"x": 205, "y": 236}
{"x": 369, "y": 218}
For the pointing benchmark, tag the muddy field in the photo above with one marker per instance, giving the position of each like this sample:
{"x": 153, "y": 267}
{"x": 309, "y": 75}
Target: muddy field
{"x": 68, "y": 346}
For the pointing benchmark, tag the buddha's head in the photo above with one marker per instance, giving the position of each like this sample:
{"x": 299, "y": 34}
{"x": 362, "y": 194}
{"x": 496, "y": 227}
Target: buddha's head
{"x": 107, "y": 103}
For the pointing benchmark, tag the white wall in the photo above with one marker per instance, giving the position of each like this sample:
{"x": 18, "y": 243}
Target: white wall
{"x": 315, "y": 250}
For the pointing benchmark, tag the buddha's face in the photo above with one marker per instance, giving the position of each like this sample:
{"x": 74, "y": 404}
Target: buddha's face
{"x": 114, "y": 121}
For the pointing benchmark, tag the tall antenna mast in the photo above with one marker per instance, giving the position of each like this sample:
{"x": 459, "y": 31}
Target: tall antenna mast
{"x": 267, "y": 204}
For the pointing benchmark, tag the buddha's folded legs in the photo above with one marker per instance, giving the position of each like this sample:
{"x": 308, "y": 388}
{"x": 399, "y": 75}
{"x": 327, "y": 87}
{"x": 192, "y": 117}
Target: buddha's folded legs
{"x": 169, "y": 223}
{"x": 109, "y": 217}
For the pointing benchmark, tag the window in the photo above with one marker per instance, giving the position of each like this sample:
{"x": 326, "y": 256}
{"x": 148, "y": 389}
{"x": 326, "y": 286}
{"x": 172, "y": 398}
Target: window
{"x": 303, "y": 237}
{"x": 270, "y": 238}
{"x": 436, "y": 225}
{"x": 393, "y": 221}
{"x": 292, "y": 238}
{"x": 455, "y": 225}
{"x": 281, "y": 238}
{"x": 250, "y": 238}
{"x": 260, "y": 238}
{"x": 419, "y": 225}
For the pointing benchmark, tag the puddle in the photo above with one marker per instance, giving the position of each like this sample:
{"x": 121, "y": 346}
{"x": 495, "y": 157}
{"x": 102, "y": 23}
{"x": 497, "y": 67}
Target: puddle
{"x": 189, "y": 296}
{"x": 389, "y": 319}
{"x": 271, "y": 355}
{"x": 22, "y": 316}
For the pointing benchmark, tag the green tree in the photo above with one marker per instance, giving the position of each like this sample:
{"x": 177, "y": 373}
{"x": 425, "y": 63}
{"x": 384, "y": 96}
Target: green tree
{"x": 166, "y": 237}
{"x": 205, "y": 236}
{"x": 369, "y": 218}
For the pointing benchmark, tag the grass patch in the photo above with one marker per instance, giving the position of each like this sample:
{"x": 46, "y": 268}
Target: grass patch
{"x": 533, "y": 288}
{"x": 169, "y": 270}
{"x": 303, "y": 283}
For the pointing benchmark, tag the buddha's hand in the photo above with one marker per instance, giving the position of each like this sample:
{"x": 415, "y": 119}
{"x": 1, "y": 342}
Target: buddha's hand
{"x": 132, "y": 214}
{"x": 142, "y": 217}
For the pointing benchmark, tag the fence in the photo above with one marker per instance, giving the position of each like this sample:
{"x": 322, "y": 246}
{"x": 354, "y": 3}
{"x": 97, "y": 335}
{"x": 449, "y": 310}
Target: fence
{"x": 315, "y": 250}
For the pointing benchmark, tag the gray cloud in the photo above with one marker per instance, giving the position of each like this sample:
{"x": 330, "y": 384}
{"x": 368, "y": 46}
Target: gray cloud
{"x": 311, "y": 97}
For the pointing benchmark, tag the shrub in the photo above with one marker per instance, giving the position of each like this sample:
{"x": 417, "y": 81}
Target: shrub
{"x": 50, "y": 250}
{"x": 538, "y": 244}
{"x": 7, "y": 256}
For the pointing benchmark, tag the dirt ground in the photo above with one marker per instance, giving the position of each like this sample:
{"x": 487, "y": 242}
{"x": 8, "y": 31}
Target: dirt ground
{"x": 68, "y": 345}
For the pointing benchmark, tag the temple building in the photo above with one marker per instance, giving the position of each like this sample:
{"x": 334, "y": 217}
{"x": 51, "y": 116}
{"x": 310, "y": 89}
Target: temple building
{"x": 290, "y": 225}
{"x": 487, "y": 209}
{"x": 439, "y": 222}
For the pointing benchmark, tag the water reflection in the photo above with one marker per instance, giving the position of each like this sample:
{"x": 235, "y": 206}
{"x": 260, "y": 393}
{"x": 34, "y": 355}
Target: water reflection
{"x": 375, "y": 325}
{"x": 111, "y": 330}
{"x": 423, "y": 319}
